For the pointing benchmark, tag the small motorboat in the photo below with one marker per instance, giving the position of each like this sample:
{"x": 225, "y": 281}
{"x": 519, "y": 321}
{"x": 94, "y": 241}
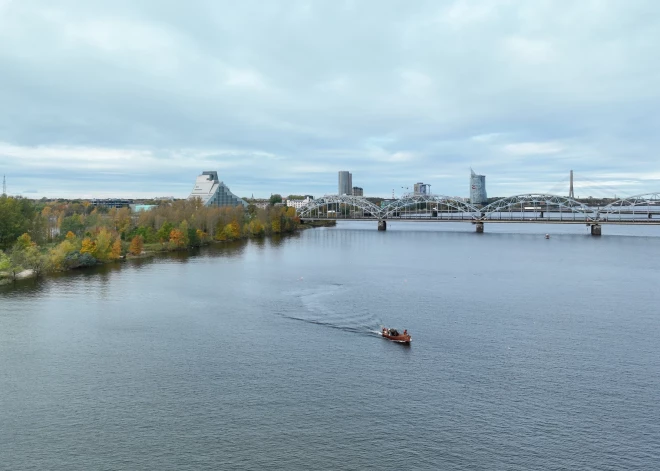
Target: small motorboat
{"x": 396, "y": 336}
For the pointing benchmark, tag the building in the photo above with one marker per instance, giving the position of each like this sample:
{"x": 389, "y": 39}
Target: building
{"x": 299, "y": 203}
{"x": 345, "y": 183}
{"x": 112, "y": 203}
{"x": 357, "y": 191}
{"x": 478, "y": 188}
{"x": 422, "y": 188}
{"x": 213, "y": 192}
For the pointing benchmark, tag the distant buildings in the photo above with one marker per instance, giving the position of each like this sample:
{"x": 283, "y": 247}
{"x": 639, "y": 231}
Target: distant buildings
{"x": 477, "y": 188}
{"x": 345, "y": 186}
{"x": 357, "y": 191}
{"x": 213, "y": 192}
{"x": 112, "y": 203}
{"x": 299, "y": 203}
{"x": 422, "y": 188}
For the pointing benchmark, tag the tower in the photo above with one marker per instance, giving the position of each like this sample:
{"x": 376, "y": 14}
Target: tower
{"x": 345, "y": 186}
{"x": 570, "y": 190}
{"x": 477, "y": 188}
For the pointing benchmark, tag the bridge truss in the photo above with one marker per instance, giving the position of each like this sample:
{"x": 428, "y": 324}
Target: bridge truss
{"x": 526, "y": 207}
{"x": 645, "y": 206}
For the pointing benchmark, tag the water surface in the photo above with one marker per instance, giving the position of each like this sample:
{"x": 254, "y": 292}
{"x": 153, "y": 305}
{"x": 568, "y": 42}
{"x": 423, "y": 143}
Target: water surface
{"x": 527, "y": 354}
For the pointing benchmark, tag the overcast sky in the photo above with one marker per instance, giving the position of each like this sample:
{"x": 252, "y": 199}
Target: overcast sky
{"x": 136, "y": 98}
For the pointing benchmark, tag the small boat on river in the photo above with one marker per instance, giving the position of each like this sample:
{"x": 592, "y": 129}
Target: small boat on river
{"x": 395, "y": 336}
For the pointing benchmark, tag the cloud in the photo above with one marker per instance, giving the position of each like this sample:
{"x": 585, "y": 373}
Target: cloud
{"x": 136, "y": 98}
{"x": 533, "y": 148}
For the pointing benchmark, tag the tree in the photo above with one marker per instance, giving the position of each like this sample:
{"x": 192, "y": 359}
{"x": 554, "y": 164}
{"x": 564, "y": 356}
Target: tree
{"x": 72, "y": 224}
{"x": 88, "y": 246}
{"x": 274, "y": 199}
{"x": 5, "y": 262}
{"x": 137, "y": 245}
{"x": 165, "y": 232}
{"x": 35, "y": 260}
{"x": 232, "y": 231}
{"x": 184, "y": 228}
{"x": 177, "y": 239}
{"x": 103, "y": 240}
{"x": 115, "y": 251}
{"x": 59, "y": 254}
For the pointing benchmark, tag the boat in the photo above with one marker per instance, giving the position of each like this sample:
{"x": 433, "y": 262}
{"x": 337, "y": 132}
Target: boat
{"x": 396, "y": 336}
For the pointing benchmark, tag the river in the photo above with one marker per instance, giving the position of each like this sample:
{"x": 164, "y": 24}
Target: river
{"x": 528, "y": 354}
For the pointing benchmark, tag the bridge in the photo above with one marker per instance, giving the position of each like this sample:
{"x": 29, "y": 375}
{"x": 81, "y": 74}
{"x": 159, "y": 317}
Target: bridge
{"x": 527, "y": 208}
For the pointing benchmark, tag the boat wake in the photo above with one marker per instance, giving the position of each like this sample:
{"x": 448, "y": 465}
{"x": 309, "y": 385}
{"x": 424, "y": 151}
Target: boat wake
{"x": 326, "y": 306}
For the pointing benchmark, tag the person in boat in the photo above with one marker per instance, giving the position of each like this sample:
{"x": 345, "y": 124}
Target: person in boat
{"x": 405, "y": 331}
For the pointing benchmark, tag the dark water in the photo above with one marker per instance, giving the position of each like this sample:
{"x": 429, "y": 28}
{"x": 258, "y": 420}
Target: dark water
{"x": 528, "y": 354}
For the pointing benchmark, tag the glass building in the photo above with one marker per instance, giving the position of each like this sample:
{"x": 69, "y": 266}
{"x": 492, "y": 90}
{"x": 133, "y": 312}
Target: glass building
{"x": 345, "y": 186}
{"x": 478, "y": 188}
{"x": 213, "y": 192}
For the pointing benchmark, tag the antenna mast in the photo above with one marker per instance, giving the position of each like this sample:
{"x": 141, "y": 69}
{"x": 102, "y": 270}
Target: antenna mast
{"x": 570, "y": 190}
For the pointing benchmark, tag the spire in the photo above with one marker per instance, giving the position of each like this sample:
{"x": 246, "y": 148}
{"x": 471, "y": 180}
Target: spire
{"x": 570, "y": 190}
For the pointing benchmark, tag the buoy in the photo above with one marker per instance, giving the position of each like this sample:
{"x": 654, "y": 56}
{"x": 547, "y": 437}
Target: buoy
{"x": 547, "y": 236}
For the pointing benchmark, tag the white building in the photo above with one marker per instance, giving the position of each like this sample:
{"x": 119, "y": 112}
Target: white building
{"x": 213, "y": 192}
{"x": 299, "y": 203}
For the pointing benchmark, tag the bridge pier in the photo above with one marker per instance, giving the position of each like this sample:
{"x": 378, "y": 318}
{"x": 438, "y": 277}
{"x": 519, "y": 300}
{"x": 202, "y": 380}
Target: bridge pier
{"x": 480, "y": 227}
{"x": 382, "y": 225}
{"x": 595, "y": 229}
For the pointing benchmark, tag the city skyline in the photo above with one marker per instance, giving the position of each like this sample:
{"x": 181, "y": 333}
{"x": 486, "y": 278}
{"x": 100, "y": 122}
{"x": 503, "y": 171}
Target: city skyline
{"x": 134, "y": 100}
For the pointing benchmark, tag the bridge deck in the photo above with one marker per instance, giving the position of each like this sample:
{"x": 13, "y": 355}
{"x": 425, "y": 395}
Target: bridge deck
{"x": 639, "y": 222}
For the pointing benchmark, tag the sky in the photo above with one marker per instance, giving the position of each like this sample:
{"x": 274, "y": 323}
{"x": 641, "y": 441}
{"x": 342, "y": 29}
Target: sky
{"x": 135, "y": 99}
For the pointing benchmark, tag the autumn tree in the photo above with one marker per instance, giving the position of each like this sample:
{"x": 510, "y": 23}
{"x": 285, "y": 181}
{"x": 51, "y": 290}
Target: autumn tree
{"x": 137, "y": 244}
{"x": 88, "y": 246}
{"x": 103, "y": 241}
{"x": 177, "y": 239}
{"x": 115, "y": 250}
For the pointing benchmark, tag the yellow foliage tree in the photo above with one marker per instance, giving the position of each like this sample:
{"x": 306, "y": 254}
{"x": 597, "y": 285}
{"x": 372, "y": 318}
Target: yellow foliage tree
{"x": 103, "y": 240}
{"x": 88, "y": 246}
{"x": 291, "y": 212}
{"x": 256, "y": 228}
{"x": 70, "y": 236}
{"x": 137, "y": 244}
{"x": 232, "y": 231}
{"x": 276, "y": 226}
{"x": 115, "y": 251}
{"x": 58, "y": 254}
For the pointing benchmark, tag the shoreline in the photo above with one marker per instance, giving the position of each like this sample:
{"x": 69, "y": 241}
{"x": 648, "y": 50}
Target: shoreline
{"x": 29, "y": 273}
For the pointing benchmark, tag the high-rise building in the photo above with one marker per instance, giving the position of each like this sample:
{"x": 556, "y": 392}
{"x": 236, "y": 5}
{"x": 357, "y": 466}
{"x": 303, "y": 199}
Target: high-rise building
{"x": 357, "y": 191}
{"x": 213, "y": 192}
{"x": 345, "y": 186}
{"x": 477, "y": 188}
{"x": 422, "y": 188}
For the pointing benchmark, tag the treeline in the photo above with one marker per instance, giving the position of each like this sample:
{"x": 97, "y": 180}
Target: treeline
{"x": 63, "y": 235}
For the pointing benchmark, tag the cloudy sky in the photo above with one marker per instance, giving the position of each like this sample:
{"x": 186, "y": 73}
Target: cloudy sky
{"x": 127, "y": 98}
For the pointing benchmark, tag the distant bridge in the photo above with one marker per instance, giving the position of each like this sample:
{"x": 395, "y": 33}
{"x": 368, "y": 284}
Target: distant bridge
{"x": 527, "y": 208}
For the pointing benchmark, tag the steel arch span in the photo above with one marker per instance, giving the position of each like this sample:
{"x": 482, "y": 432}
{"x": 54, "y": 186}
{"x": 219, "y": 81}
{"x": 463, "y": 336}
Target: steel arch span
{"x": 643, "y": 204}
{"x": 437, "y": 201}
{"x": 543, "y": 203}
{"x": 328, "y": 201}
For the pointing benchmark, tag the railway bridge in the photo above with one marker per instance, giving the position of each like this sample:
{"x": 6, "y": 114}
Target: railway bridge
{"x": 532, "y": 208}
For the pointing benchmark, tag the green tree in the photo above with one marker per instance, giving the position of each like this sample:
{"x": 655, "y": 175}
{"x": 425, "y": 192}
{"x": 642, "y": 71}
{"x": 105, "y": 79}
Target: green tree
{"x": 274, "y": 199}
{"x": 5, "y": 262}
{"x": 72, "y": 224}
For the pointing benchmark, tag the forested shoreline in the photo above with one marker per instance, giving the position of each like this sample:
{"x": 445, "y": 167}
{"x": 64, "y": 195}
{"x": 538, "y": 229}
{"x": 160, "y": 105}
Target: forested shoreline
{"x": 37, "y": 237}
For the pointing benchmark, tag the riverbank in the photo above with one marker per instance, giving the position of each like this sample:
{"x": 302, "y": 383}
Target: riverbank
{"x": 149, "y": 251}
